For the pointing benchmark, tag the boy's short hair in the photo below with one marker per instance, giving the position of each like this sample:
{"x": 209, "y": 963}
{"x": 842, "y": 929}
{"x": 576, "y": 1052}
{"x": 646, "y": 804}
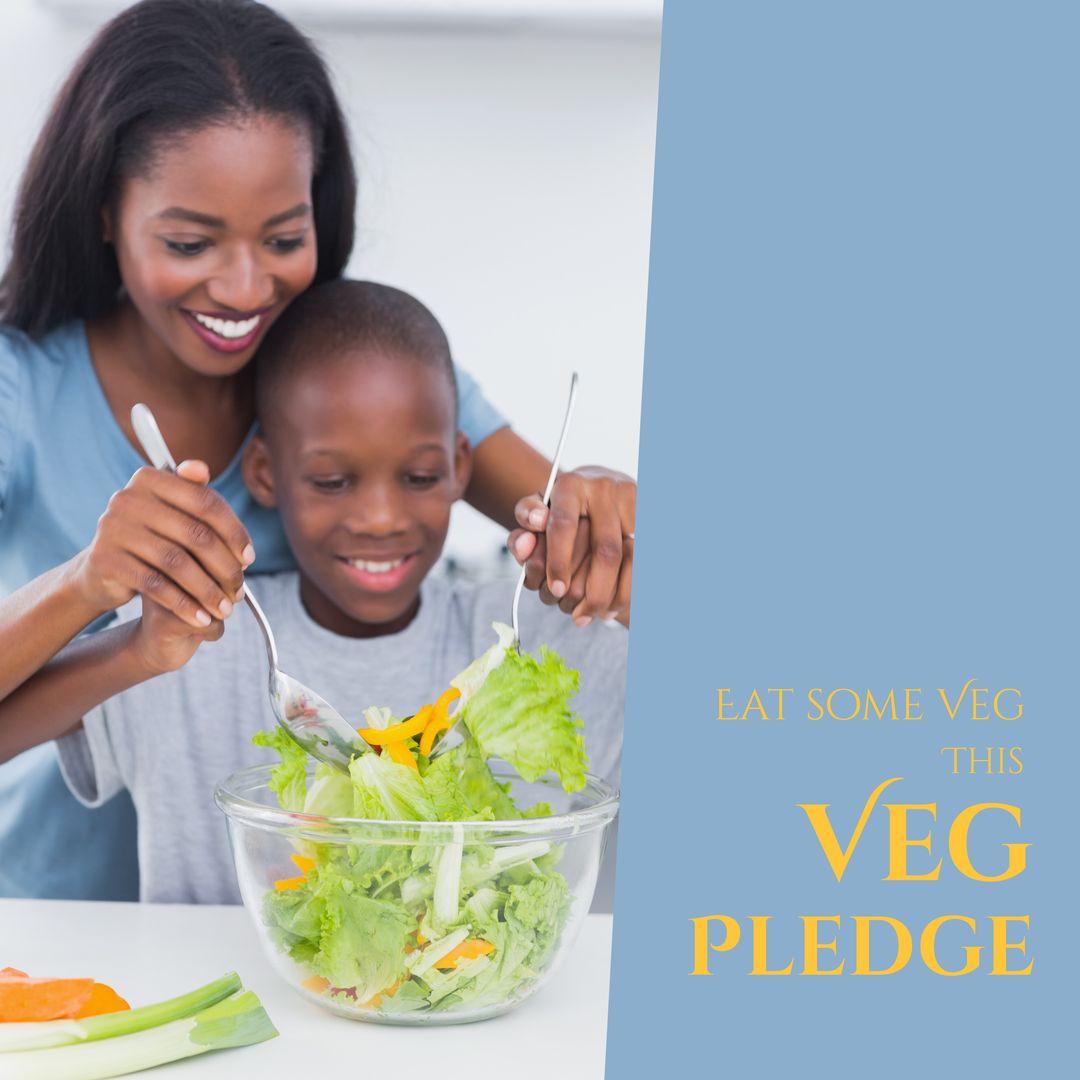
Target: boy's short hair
{"x": 347, "y": 316}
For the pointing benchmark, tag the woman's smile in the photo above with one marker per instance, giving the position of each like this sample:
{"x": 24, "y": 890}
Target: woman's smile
{"x": 228, "y": 333}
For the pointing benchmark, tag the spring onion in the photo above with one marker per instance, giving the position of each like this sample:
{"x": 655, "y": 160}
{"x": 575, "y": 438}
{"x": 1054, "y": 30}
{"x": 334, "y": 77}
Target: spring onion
{"x": 120, "y": 1043}
{"x": 40, "y": 1036}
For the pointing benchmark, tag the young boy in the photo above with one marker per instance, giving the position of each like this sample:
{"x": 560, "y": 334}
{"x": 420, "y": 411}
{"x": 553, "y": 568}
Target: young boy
{"x": 359, "y": 452}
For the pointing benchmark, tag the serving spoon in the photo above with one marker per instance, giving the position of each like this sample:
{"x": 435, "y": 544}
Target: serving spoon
{"x": 307, "y": 718}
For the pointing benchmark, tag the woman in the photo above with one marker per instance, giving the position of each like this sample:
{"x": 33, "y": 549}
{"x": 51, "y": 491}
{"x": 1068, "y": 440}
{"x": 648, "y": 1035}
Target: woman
{"x": 193, "y": 177}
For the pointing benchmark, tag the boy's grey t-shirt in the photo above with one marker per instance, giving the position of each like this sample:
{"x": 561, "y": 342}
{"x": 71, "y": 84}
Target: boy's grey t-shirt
{"x": 170, "y": 740}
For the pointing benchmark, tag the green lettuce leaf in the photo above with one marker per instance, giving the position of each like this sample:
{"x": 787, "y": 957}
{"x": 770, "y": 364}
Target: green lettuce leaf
{"x": 540, "y": 905}
{"x": 385, "y": 790}
{"x": 409, "y": 997}
{"x": 353, "y": 940}
{"x": 375, "y": 868}
{"x": 511, "y": 970}
{"x": 380, "y": 717}
{"x": 473, "y": 677}
{"x": 521, "y": 714}
{"x": 362, "y": 940}
{"x": 330, "y": 794}
{"x": 463, "y": 787}
{"x": 442, "y": 782}
{"x": 288, "y": 779}
{"x": 294, "y": 918}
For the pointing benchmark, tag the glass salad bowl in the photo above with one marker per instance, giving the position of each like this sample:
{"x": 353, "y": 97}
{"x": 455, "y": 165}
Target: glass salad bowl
{"x": 418, "y": 922}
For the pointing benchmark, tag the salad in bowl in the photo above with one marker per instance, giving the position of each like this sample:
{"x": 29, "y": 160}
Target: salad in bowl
{"x": 426, "y": 886}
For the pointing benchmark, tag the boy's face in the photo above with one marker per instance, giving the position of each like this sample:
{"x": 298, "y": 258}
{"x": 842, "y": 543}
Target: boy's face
{"x": 363, "y": 460}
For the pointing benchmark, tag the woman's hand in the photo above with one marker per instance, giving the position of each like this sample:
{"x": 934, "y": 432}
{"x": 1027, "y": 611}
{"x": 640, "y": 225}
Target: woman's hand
{"x": 163, "y": 642}
{"x": 172, "y": 539}
{"x": 579, "y": 554}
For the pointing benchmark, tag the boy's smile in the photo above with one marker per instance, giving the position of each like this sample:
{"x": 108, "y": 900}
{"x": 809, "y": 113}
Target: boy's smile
{"x": 362, "y": 458}
{"x": 379, "y": 575}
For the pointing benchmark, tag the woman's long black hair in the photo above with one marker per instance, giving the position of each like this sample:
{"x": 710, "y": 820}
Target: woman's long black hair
{"x": 160, "y": 69}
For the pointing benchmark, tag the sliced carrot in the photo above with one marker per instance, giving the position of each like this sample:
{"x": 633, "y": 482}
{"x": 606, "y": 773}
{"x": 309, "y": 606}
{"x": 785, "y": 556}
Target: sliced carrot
{"x": 285, "y": 884}
{"x": 467, "y": 950}
{"x": 316, "y": 983}
{"x": 22, "y": 998}
{"x": 303, "y": 863}
{"x": 400, "y": 753}
{"x": 396, "y": 732}
{"x": 103, "y": 999}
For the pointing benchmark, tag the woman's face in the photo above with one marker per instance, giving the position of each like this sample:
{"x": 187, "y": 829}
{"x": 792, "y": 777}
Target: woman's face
{"x": 217, "y": 238}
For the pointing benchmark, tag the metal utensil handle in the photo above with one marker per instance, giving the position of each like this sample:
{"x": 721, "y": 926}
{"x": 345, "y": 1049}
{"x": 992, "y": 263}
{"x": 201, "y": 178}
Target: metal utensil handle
{"x": 151, "y": 439}
{"x": 562, "y": 440}
{"x": 547, "y": 492}
{"x": 268, "y": 634}
{"x": 157, "y": 450}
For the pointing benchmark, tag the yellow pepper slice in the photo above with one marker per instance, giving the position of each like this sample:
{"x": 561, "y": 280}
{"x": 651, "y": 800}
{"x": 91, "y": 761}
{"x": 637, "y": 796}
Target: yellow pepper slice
{"x": 440, "y": 721}
{"x": 400, "y": 753}
{"x": 396, "y": 732}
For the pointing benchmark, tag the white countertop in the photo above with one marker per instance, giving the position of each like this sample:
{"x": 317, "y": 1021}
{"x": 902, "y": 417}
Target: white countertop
{"x": 148, "y": 952}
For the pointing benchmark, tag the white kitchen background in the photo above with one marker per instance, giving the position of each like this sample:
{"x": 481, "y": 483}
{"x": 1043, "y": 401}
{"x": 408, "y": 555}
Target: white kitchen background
{"x": 505, "y": 149}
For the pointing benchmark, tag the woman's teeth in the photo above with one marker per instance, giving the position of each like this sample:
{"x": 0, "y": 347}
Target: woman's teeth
{"x": 227, "y": 328}
{"x": 375, "y": 567}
